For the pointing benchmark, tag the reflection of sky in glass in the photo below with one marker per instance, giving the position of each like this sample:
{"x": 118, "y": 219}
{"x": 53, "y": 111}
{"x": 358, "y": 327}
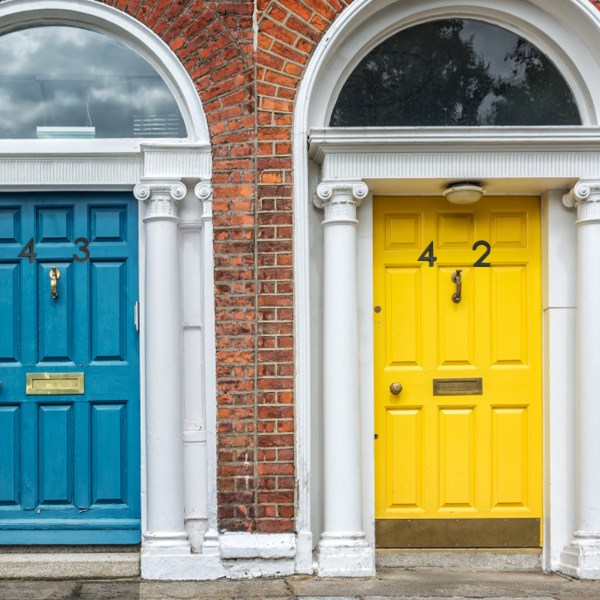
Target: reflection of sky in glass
{"x": 72, "y": 77}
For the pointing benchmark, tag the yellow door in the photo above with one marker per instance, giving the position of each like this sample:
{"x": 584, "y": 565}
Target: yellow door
{"x": 457, "y": 313}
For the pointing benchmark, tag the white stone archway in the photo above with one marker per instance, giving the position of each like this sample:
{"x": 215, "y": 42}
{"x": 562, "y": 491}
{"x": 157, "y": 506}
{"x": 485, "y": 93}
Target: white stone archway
{"x": 172, "y": 180}
{"x": 543, "y": 161}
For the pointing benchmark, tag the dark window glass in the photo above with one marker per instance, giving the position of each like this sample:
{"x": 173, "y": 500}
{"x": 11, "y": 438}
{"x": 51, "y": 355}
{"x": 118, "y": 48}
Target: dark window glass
{"x": 455, "y": 72}
{"x": 66, "y": 82}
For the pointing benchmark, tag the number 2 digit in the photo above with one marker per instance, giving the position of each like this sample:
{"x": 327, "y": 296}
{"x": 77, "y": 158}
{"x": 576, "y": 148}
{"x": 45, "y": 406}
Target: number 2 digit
{"x": 480, "y": 262}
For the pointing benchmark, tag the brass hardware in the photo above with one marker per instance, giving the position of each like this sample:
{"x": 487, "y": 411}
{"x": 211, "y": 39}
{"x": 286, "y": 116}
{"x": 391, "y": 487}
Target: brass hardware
{"x": 457, "y": 533}
{"x": 54, "y": 277}
{"x": 458, "y": 387}
{"x": 457, "y": 279}
{"x": 395, "y": 388}
{"x": 54, "y": 384}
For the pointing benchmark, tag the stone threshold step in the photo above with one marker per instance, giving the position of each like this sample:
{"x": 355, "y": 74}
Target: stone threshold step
{"x": 513, "y": 559}
{"x": 68, "y": 565}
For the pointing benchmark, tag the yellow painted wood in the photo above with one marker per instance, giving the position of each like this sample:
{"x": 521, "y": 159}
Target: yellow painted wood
{"x": 462, "y": 456}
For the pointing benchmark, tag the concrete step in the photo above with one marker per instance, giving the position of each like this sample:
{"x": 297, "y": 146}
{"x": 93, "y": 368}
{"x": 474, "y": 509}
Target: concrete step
{"x": 517, "y": 559}
{"x": 69, "y": 565}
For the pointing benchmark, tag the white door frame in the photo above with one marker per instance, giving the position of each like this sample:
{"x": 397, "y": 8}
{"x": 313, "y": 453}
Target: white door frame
{"x": 402, "y": 161}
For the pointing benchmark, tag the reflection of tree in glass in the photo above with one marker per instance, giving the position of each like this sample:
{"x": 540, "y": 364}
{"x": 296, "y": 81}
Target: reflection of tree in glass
{"x": 437, "y": 74}
{"x": 535, "y": 93}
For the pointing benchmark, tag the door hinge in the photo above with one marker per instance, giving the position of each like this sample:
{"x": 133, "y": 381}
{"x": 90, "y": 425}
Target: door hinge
{"x": 136, "y": 316}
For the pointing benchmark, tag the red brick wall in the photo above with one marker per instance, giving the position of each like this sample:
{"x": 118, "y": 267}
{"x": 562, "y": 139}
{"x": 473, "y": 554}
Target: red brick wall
{"x": 248, "y": 98}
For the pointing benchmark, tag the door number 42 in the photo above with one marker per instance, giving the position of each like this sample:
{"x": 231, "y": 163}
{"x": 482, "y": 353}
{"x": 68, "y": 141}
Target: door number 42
{"x": 428, "y": 255}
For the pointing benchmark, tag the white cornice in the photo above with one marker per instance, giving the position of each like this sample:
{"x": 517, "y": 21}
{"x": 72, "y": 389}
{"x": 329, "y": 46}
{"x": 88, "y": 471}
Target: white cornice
{"x": 99, "y": 165}
{"x": 340, "y": 140}
{"x": 429, "y": 153}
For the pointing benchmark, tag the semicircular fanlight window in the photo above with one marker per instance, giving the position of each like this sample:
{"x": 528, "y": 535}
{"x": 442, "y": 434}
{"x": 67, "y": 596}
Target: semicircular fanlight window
{"x": 69, "y": 82}
{"x": 455, "y": 72}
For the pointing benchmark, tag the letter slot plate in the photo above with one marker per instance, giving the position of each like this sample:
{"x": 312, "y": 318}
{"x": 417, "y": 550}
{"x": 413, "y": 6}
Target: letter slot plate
{"x": 54, "y": 384}
{"x": 458, "y": 387}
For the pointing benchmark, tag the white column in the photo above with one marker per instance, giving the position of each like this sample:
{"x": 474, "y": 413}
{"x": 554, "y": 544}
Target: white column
{"x": 343, "y": 549}
{"x": 165, "y": 532}
{"x": 581, "y": 558}
{"x": 211, "y": 544}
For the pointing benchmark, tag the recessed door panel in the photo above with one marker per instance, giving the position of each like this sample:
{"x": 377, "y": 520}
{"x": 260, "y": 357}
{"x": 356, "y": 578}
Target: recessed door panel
{"x": 10, "y": 311}
{"x": 405, "y": 429}
{"x": 458, "y": 325}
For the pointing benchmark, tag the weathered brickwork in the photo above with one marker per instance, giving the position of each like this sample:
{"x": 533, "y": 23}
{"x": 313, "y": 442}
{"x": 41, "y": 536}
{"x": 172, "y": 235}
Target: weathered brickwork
{"x": 247, "y": 78}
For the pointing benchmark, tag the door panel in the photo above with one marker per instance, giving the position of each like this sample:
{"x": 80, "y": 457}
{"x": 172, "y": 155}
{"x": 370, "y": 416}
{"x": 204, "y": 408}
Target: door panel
{"x": 69, "y": 459}
{"x": 462, "y": 440}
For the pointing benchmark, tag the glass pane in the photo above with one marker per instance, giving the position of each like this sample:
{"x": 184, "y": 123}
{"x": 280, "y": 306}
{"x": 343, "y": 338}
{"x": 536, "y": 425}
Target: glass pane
{"x": 71, "y": 82}
{"x": 455, "y": 72}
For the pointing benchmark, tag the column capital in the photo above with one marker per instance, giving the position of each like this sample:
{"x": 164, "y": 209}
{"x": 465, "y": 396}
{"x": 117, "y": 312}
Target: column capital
{"x": 585, "y": 196}
{"x": 340, "y": 199}
{"x": 203, "y": 191}
{"x": 161, "y": 195}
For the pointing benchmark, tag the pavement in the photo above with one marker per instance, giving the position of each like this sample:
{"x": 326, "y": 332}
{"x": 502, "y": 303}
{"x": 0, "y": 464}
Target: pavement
{"x": 390, "y": 584}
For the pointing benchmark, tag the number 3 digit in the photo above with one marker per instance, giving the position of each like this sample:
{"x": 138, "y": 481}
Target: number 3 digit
{"x": 83, "y": 248}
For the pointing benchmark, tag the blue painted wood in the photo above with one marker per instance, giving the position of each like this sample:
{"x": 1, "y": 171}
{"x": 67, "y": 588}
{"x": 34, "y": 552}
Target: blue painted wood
{"x": 69, "y": 465}
{"x": 9, "y": 312}
{"x": 10, "y": 467}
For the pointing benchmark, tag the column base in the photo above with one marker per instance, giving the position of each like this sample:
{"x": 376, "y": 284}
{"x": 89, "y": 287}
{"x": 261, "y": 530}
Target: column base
{"x": 167, "y": 542}
{"x": 345, "y": 555}
{"x": 167, "y": 566}
{"x": 581, "y": 558}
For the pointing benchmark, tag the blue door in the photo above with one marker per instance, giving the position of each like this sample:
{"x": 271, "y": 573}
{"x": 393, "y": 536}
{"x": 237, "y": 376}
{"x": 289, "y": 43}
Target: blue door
{"x": 69, "y": 367}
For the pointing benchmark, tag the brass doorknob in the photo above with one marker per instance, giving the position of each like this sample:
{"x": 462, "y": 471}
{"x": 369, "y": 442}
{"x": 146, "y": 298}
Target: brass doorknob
{"x": 395, "y": 388}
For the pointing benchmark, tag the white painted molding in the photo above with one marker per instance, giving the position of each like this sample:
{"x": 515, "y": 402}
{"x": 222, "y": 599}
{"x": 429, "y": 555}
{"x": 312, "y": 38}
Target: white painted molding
{"x": 100, "y": 165}
{"x": 340, "y": 199}
{"x": 161, "y": 197}
{"x": 585, "y": 196}
{"x": 406, "y": 153}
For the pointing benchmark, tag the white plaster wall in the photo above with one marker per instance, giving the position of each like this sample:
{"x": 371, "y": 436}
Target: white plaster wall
{"x": 367, "y": 383}
{"x": 558, "y": 302}
{"x": 315, "y": 217}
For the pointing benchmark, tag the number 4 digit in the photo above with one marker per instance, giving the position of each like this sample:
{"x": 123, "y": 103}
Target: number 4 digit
{"x": 428, "y": 255}
{"x": 28, "y": 252}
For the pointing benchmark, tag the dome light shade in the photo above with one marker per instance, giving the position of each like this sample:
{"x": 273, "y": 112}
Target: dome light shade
{"x": 464, "y": 192}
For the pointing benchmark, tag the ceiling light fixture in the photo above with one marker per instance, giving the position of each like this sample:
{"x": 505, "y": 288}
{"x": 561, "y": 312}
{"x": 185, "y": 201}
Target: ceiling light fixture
{"x": 464, "y": 192}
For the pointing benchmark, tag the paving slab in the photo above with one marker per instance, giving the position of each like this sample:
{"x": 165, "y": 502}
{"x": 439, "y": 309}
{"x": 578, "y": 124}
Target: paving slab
{"x": 390, "y": 584}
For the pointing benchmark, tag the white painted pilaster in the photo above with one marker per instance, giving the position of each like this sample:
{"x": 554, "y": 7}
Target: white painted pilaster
{"x": 581, "y": 558}
{"x": 343, "y": 549}
{"x": 165, "y": 534}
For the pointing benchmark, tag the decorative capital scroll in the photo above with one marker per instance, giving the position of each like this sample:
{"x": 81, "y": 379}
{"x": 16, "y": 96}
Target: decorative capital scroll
{"x": 161, "y": 197}
{"x": 340, "y": 199}
{"x": 203, "y": 191}
{"x": 585, "y": 196}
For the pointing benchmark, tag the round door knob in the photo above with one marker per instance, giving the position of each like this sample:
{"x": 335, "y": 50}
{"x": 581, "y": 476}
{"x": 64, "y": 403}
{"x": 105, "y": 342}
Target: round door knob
{"x": 395, "y": 388}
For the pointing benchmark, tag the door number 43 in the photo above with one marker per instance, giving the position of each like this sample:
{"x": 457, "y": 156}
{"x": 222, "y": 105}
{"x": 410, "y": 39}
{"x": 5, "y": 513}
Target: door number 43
{"x": 29, "y": 252}
{"x": 428, "y": 255}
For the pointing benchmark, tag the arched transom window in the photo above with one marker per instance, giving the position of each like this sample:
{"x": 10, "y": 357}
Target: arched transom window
{"x": 455, "y": 72}
{"x": 70, "y": 82}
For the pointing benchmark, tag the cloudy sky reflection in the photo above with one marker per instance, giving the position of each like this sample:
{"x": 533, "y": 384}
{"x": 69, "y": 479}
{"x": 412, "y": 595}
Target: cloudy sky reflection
{"x": 71, "y": 77}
